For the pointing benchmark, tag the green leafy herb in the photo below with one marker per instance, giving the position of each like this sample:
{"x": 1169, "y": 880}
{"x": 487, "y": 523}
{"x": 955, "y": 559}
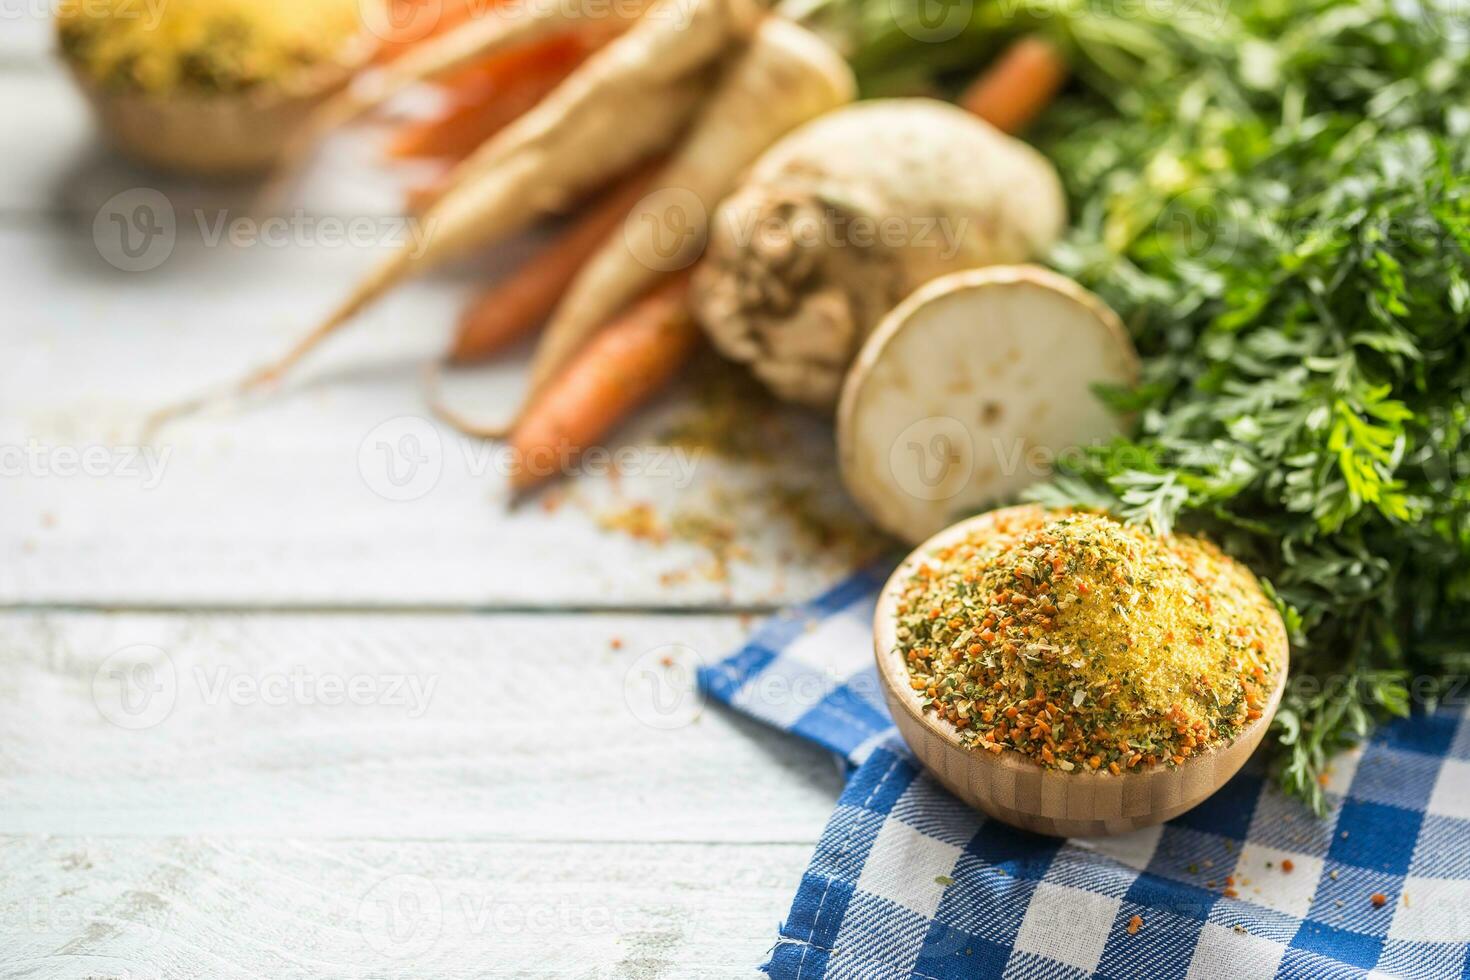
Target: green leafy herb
{"x": 1274, "y": 195}
{"x": 1282, "y": 216}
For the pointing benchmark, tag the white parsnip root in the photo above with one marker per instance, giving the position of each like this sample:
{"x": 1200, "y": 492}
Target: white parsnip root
{"x": 627, "y": 103}
{"x": 846, "y": 216}
{"x": 497, "y": 30}
{"x": 970, "y": 388}
{"x": 785, "y": 77}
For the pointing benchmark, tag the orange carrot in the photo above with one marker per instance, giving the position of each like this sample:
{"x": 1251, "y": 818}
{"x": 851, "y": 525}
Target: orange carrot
{"x": 1018, "y": 86}
{"x": 486, "y": 101}
{"x": 508, "y": 311}
{"x": 408, "y": 22}
{"x": 422, "y": 195}
{"x": 623, "y": 366}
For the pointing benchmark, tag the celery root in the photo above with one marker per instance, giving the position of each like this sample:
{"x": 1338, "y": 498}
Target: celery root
{"x": 785, "y": 77}
{"x": 970, "y": 388}
{"x": 843, "y": 218}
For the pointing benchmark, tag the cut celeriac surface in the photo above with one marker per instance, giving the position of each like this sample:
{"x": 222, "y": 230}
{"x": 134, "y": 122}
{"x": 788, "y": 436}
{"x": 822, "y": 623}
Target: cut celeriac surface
{"x": 971, "y": 388}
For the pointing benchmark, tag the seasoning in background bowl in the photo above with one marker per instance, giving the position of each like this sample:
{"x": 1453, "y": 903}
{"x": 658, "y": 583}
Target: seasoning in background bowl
{"x": 1072, "y": 674}
{"x": 211, "y": 87}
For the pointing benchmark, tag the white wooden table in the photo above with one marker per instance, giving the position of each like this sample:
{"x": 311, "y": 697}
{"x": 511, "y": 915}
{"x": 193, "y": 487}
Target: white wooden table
{"x": 271, "y": 709}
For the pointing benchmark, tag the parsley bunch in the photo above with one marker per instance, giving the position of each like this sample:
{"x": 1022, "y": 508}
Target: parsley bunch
{"x": 1280, "y": 210}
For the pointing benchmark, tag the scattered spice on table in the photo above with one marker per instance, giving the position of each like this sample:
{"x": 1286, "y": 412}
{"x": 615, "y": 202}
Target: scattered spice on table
{"x": 1084, "y": 643}
{"x": 1135, "y": 924}
{"x": 1379, "y": 900}
{"x": 1287, "y": 866}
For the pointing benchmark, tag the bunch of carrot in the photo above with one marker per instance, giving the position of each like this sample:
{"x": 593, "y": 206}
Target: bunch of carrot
{"x": 641, "y": 350}
{"x": 546, "y": 112}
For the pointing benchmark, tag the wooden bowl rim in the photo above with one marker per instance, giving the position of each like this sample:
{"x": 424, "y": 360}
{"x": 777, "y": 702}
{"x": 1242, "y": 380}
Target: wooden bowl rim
{"x": 895, "y": 676}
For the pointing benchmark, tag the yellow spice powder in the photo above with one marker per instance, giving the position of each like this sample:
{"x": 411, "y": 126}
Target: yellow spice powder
{"x": 1085, "y": 643}
{"x": 175, "y": 46}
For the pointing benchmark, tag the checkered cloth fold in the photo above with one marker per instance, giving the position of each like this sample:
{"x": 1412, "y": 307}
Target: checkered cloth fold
{"x": 907, "y": 881}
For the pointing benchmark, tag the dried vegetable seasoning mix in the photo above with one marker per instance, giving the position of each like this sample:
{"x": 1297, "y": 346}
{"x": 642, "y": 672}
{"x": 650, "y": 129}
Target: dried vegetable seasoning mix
{"x": 204, "y": 46}
{"x": 1084, "y": 643}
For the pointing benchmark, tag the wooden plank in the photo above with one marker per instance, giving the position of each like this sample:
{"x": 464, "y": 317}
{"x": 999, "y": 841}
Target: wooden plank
{"x": 26, "y": 38}
{"x": 424, "y": 727}
{"x": 291, "y": 499}
{"x": 180, "y": 909}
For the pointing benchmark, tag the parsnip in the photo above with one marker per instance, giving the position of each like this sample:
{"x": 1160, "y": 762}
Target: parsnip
{"x": 786, "y": 77}
{"x": 970, "y": 389}
{"x": 849, "y": 214}
{"x": 628, "y": 102}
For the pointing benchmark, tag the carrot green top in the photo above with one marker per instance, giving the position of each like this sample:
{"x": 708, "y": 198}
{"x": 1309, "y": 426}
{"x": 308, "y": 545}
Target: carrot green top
{"x": 1082, "y": 642}
{"x": 203, "y": 45}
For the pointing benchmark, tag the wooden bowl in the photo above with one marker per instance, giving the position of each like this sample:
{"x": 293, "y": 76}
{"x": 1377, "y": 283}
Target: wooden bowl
{"x": 1011, "y": 787}
{"x": 221, "y": 135}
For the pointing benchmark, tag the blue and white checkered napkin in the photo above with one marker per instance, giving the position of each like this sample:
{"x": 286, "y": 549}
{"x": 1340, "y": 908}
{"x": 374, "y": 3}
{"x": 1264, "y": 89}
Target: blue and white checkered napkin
{"x": 909, "y": 882}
